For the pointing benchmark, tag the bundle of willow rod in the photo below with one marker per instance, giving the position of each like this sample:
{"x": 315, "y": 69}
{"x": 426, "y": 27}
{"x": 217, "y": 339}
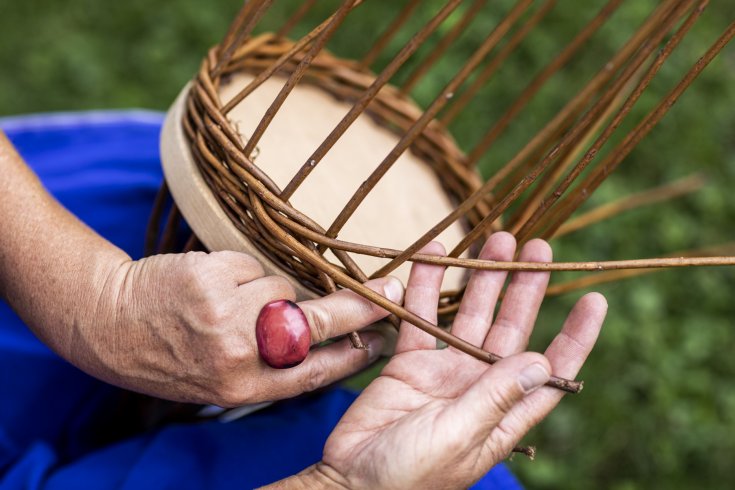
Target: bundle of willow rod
{"x": 558, "y": 166}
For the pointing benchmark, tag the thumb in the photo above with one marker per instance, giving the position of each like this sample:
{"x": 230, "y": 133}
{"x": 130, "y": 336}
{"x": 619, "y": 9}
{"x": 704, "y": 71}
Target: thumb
{"x": 345, "y": 311}
{"x": 484, "y": 405}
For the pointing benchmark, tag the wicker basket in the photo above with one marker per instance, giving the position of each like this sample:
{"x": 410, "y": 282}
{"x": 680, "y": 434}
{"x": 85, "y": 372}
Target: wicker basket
{"x": 215, "y": 158}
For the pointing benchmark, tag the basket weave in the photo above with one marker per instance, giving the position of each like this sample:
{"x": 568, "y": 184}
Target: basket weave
{"x": 232, "y": 175}
{"x": 560, "y": 160}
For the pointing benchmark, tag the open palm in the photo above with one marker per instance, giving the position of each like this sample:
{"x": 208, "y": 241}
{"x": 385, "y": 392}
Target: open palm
{"x": 440, "y": 418}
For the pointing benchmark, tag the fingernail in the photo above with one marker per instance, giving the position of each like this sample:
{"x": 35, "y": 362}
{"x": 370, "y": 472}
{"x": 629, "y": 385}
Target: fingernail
{"x": 533, "y": 376}
{"x": 375, "y": 347}
{"x": 393, "y": 289}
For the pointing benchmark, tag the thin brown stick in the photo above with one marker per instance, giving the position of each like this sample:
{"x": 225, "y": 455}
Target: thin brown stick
{"x": 559, "y": 124}
{"x": 459, "y": 103}
{"x": 154, "y": 221}
{"x": 243, "y": 15}
{"x": 640, "y": 131}
{"x": 442, "y": 46}
{"x": 344, "y": 280}
{"x": 540, "y": 80}
{"x": 368, "y": 95}
{"x": 170, "y": 231}
{"x": 572, "y": 136}
{"x": 622, "y": 113}
{"x": 248, "y": 18}
{"x": 292, "y": 21}
{"x": 563, "y": 163}
{"x": 380, "y": 44}
{"x": 297, "y": 74}
{"x": 594, "y": 280}
{"x": 488, "y": 44}
{"x": 620, "y": 274}
{"x": 529, "y": 451}
{"x": 265, "y": 74}
{"x": 484, "y": 264}
{"x": 565, "y": 114}
{"x": 193, "y": 244}
{"x": 681, "y": 187}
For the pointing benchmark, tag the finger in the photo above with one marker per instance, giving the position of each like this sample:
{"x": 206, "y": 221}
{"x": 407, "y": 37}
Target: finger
{"x": 478, "y": 303}
{"x": 566, "y": 353}
{"x": 345, "y": 311}
{"x": 517, "y": 316}
{"x": 239, "y": 267}
{"x": 487, "y": 402}
{"x": 325, "y": 365}
{"x": 422, "y": 299}
{"x": 261, "y": 291}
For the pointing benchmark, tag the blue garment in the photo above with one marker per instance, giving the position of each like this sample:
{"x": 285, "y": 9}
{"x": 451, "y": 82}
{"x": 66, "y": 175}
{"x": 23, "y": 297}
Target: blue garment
{"x": 104, "y": 167}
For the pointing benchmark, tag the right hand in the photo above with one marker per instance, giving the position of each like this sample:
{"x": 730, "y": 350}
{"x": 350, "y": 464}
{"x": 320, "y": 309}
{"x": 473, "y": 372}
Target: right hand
{"x": 182, "y": 327}
{"x": 438, "y": 418}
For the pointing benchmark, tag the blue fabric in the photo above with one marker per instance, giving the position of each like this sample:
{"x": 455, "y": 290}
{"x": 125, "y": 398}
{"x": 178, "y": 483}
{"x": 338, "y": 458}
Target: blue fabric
{"x": 104, "y": 168}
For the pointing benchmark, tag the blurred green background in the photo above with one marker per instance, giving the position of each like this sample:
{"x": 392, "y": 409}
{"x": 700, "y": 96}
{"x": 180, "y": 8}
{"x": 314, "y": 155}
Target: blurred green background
{"x": 658, "y": 410}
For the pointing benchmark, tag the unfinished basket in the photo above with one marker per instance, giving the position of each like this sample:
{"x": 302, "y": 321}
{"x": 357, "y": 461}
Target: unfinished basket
{"x": 330, "y": 174}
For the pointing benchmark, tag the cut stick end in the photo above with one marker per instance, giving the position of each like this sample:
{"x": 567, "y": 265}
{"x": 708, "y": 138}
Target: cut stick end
{"x": 529, "y": 451}
{"x": 570, "y": 386}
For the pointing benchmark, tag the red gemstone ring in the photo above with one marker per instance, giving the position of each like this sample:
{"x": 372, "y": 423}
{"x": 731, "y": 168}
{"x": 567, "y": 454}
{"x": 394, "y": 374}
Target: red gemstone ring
{"x": 283, "y": 334}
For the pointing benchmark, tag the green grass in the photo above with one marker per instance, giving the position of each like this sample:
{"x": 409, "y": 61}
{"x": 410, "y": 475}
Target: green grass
{"x": 658, "y": 410}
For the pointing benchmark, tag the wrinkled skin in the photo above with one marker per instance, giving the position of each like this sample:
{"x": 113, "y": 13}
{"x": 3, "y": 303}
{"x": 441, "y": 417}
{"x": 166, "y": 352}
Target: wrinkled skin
{"x": 194, "y": 339}
{"x": 439, "y": 418}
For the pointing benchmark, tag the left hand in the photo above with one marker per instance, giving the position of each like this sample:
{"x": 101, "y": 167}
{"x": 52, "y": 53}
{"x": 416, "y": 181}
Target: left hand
{"x": 440, "y": 418}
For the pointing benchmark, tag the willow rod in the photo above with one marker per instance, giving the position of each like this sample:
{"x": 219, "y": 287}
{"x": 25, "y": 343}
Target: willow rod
{"x": 438, "y": 103}
{"x": 642, "y": 129}
{"x": 592, "y": 152}
{"x": 390, "y": 32}
{"x": 258, "y": 191}
{"x": 566, "y": 113}
{"x": 361, "y": 104}
{"x": 678, "y": 188}
{"x": 235, "y": 38}
{"x": 492, "y": 265}
{"x": 442, "y": 46}
{"x": 570, "y": 386}
{"x": 560, "y": 166}
{"x": 297, "y": 74}
{"x": 459, "y": 103}
{"x": 306, "y": 5}
{"x": 540, "y": 80}
{"x": 588, "y": 119}
{"x": 268, "y": 72}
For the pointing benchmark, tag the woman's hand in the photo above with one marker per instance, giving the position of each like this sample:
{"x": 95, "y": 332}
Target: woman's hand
{"x": 440, "y": 418}
{"x": 182, "y": 327}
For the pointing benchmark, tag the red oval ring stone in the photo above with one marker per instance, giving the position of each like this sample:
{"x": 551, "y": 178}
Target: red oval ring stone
{"x": 283, "y": 334}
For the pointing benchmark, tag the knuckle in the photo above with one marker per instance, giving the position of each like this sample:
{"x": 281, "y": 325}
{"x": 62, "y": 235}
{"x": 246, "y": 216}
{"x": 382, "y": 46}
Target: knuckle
{"x": 195, "y": 273}
{"x": 236, "y": 260}
{"x": 319, "y": 319}
{"x": 315, "y": 378}
{"x": 228, "y": 389}
{"x": 505, "y": 433}
{"x": 276, "y": 287}
{"x": 251, "y": 264}
{"x": 503, "y": 398}
{"x": 213, "y": 314}
{"x": 230, "y": 395}
{"x": 230, "y": 359}
{"x": 369, "y": 311}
